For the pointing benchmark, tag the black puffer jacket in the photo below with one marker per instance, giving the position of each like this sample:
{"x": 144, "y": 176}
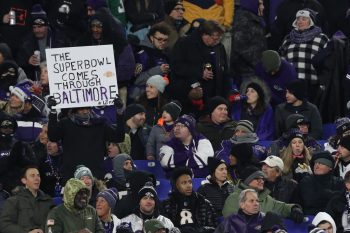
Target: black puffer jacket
{"x": 204, "y": 213}
{"x": 216, "y": 194}
{"x": 283, "y": 189}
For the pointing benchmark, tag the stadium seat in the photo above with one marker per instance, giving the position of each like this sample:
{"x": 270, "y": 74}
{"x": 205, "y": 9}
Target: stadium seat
{"x": 328, "y": 130}
{"x": 197, "y": 182}
{"x": 266, "y": 144}
{"x": 298, "y": 228}
{"x": 150, "y": 166}
{"x": 163, "y": 188}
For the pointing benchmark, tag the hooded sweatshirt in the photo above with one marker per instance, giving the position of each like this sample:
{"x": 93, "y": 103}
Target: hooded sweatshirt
{"x": 66, "y": 218}
{"x": 118, "y": 168}
{"x": 323, "y": 216}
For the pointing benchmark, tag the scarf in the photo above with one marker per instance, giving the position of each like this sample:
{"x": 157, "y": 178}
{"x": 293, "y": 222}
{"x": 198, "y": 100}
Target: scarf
{"x": 347, "y": 196}
{"x": 299, "y": 37}
{"x": 297, "y": 156}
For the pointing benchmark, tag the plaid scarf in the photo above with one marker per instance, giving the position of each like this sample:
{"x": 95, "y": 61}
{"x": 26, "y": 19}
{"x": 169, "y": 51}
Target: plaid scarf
{"x": 299, "y": 37}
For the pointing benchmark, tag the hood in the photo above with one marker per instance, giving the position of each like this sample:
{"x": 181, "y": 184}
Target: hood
{"x": 263, "y": 86}
{"x": 106, "y": 29}
{"x": 250, "y": 5}
{"x": 72, "y": 187}
{"x": 147, "y": 43}
{"x": 118, "y": 165}
{"x": 323, "y": 216}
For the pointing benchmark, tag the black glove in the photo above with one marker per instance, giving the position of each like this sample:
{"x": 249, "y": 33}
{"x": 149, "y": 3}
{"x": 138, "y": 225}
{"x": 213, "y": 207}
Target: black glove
{"x": 51, "y": 102}
{"x": 297, "y": 214}
{"x": 118, "y": 103}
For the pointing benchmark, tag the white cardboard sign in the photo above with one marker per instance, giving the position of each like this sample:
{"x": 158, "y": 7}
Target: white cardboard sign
{"x": 82, "y": 76}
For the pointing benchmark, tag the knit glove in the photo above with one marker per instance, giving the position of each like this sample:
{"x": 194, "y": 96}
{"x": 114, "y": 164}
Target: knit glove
{"x": 297, "y": 214}
{"x": 51, "y": 102}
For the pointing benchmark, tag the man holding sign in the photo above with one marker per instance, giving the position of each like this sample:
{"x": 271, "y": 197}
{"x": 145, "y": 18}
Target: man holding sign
{"x": 81, "y": 77}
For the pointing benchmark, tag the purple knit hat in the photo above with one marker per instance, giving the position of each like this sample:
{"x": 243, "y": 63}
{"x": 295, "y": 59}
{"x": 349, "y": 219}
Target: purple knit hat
{"x": 189, "y": 122}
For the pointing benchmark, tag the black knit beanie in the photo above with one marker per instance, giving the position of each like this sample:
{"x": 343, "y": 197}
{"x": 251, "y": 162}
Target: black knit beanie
{"x": 297, "y": 88}
{"x": 132, "y": 110}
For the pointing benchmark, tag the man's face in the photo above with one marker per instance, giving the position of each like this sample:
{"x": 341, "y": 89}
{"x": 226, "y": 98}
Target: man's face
{"x": 52, "y": 148}
{"x": 159, "y": 40}
{"x": 321, "y": 169}
{"x": 240, "y": 132}
{"x": 184, "y": 185}
{"x": 32, "y": 179}
{"x": 343, "y": 152}
{"x": 87, "y": 181}
{"x": 139, "y": 119}
{"x": 96, "y": 29}
{"x": 291, "y": 99}
{"x": 127, "y": 165}
{"x": 147, "y": 205}
{"x": 219, "y": 115}
{"x": 112, "y": 150}
{"x": 102, "y": 207}
{"x": 81, "y": 199}
{"x": 211, "y": 40}
{"x": 304, "y": 128}
{"x": 15, "y": 102}
{"x": 251, "y": 204}
{"x": 83, "y": 112}
{"x": 270, "y": 172}
{"x": 181, "y": 132}
{"x": 326, "y": 226}
{"x": 257, "y": 183}
{"x": 40, "y": 31}
{"x": 178, "y": 12}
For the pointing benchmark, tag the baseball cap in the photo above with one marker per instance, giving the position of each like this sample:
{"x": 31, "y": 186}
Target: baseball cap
{"x": 274, "y": 161}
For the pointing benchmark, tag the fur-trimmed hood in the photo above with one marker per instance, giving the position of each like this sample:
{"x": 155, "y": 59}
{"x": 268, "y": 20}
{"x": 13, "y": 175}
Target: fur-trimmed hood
{"x": 262, "y": 84}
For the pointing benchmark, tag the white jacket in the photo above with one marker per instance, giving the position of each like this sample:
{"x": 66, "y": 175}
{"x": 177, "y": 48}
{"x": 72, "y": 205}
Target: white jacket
{"x": 137, "y": 223}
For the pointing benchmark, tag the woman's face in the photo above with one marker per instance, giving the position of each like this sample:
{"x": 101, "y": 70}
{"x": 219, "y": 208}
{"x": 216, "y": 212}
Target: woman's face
{"x": 221, "y": 173}
{"x": 112, "y": 150}
{"x": 252, "y": 96}
{"x": 151, "y": 91}
{"x": 297, "y": 146}
{"x": 44, "y": 77}
{"x": 303, "y": 23}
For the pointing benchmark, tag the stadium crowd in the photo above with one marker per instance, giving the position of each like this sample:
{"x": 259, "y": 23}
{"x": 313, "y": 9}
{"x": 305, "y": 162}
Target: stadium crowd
{"x": 249, "y": 97}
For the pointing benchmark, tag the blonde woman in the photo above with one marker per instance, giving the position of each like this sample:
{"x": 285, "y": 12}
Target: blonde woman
{"x": 296, "y": 157}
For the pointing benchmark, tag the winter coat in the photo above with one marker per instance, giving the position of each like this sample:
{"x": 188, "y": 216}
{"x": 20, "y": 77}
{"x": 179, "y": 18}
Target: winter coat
{"x": 238, "y": 223}
{"x": 203, "y": 213}
{"x": 277, "y": 82}
{"x": 84, "y": 144}
{"x": 301, "y": 55}
{"x": 195, "y": 155}
{"x": 317, "y": 190}
{"x": 24, "y": 212}
{"x": 136, "y": 222}
{"x": 138, "y": 142}
{"x": 267, "y": 203}
{"x": 307, "y": 109}
{"x": 282, "y": 189}
{"x": 216, "y": 133}
{"x": 66, "y": 218}
{"x": 215, "y": 194}
{"x": 248, "y": 43}
{"x": 189, "y": 56}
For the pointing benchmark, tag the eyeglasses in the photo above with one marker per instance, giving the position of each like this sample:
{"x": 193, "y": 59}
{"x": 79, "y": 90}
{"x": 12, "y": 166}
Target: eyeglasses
{"x": 179, "y": 9}
{"x": 164, "y": 40}
{"x": 180, "y": 126}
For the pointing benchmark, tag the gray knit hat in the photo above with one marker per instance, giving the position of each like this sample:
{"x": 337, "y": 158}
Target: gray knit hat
{"x": 158, "y": 82}
{"x": 82, "y": 170}
{"x": 271, "y": 60}
{"x": 245, "y": 125}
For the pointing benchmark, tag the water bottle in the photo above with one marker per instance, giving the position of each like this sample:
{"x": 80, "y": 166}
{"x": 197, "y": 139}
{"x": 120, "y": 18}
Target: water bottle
{"x": 37, "y": 55}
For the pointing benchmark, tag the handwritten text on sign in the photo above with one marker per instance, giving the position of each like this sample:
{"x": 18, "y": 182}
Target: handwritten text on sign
{"x": 82, "y": 76}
